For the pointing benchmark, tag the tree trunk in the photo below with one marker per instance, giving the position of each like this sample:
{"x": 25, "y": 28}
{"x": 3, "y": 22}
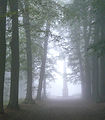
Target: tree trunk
{"x": 95, "y": 77}
{"x": 102, "y": 64}
{"x": 13, "y": 103}
{"x": 95, "y": 69}
{"x": 3, "y": 5}
{"x": 81, "y": 67}
{"x": 65, "y": 87}
{"x": 29, "y": 52}
{"x": 42, "y": 72}
{"x": 44, "y": 89}
{"x": 26, "y": 24}
{"x": 87, "y": 65}
{"x": 83, "y": 84}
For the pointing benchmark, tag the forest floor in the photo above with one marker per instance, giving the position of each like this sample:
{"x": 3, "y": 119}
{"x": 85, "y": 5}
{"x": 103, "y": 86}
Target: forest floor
{"x": 58, "y": 110}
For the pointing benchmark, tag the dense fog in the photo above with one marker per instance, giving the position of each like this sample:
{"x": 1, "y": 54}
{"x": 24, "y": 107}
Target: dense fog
{"x": 52, "y": 59}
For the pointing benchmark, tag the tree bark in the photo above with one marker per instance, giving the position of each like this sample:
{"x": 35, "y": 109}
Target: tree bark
{"x": 83, "y": 84}
{"x": 87, "y": 60}
{"x": 29, "y": 52}
{"x": 26, "y": 24}
{"x": 42, "y": 71}
{"x": 95, "y": 70}
{"x": 13, "y": 103}
{"x": 44, "y": 89}
{"x": 3, "y": 5}
{"x": 102, "y": 63}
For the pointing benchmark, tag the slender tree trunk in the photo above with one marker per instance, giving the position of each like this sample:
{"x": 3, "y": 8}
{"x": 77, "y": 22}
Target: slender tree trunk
{"x": 81, "y": 67}
{"x": 3, "y": 5}
{"x": 65, "y": 87}
{"x": 42, "y": 72}
{"x": 87, "y": 65}
{"x": 95, "y": 70}
{"x": 29, "y": 52}
{"x": 86, "y": 36}
{"x": 44, "y": 89}
{"x": 83, "y": 84}
{"x": 95, "y": 77}
{"x": 102, "y": 63}
{"x": 26, "y": 23}
{"x": 13, "y": 103}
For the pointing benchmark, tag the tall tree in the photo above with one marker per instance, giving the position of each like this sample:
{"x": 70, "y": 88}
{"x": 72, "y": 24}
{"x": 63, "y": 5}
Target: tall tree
{"x": 3, "y": 5}
{"x": 42, "y": 71}
{"x": 65, "y": 86}
{"x": 26, "y": 23}
{"x": 13, "y": 103}
{"x": 101, "y": 20}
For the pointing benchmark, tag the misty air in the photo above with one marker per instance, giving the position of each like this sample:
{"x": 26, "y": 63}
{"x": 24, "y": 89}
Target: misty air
{"x": 52, "y": 60}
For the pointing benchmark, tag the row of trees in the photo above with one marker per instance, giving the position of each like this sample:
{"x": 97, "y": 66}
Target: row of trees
{"x": 26, "y": 30}
{"x": 14, "y": 50}
{"x": 25, "y": 24}
{"x": 86, "y": 29}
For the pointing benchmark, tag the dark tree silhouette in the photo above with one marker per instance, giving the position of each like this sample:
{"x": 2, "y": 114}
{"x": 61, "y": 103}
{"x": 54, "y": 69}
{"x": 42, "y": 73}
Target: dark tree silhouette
{"x": 3, "y": 5}
{"x": 29, "y": 52}
{"x": 13, "y": 103}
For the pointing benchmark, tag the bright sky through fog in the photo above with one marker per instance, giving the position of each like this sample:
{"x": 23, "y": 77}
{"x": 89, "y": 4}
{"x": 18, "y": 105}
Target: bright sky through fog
{"x": 65, "y": 1}
{"x": 57, "y": 85}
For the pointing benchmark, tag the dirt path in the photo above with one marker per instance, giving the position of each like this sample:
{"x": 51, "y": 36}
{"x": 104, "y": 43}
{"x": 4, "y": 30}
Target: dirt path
{"x": 58, "y": 110}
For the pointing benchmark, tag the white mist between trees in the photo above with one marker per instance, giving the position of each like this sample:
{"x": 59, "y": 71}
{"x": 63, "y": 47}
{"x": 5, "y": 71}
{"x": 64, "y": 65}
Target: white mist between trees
{"x": 56, "y": 87}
